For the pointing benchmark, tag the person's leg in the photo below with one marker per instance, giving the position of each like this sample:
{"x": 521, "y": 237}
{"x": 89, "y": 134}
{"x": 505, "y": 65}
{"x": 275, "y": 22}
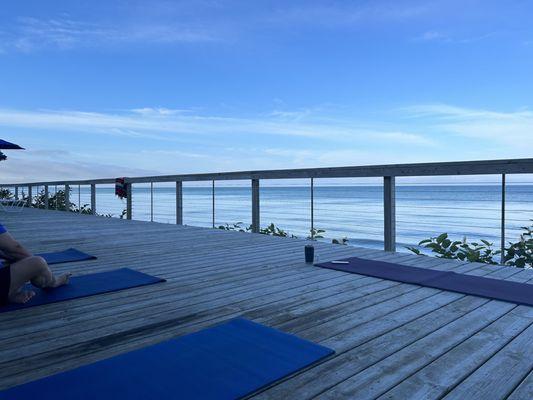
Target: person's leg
{"x": 35, "y": 270}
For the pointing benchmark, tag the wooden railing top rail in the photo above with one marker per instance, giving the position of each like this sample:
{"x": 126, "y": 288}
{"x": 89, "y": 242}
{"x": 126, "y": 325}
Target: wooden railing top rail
{"x": 486, "y": 167}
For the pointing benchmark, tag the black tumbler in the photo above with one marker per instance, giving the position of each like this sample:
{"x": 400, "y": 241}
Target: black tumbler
{"x": 309, "y": 253}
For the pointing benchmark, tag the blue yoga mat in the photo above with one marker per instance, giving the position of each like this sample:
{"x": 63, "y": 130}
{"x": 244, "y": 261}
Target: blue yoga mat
{"x": 87, "y": 285}
{"x": 227, "y": 361}
{"x": 69, "y": 255}
{"x": 495, "y": 289}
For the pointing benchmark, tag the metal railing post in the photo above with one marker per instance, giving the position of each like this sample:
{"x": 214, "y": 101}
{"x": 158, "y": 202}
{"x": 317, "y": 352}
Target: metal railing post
{"x": 16, "y": 192}
{"x": 67, "y": 197}
{"x": 502, "y": 243}
{"x": 46, "y": 197}
{"x": 79, "y": 199}
{"x": 129, "y": 202}
{"x": 389, "y": 211}
{"x": 255, "y": 206}
{"x": 179, "y": 203}
{"x": 93, "y": 198}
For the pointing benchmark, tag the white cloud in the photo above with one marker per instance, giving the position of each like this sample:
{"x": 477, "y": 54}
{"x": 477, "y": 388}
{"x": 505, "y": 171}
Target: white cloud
{"x": 291, "y": 115}
{"x": 158, "y": 22}
{"x": 57, "y": 164}
{"x": 460, "y": 38}
{"x": 170, "y": 125}
{"x": 340, "y": 157}
{"x": 348, "y": 14}
{"x": 174, "y": 153}
{"x": 407, "y": 138}
{"x": 183, "y": 141}
{"x": 29, "y": 34}
{"x": 506, "y": 128}
{"x": 432, "y": 36}
{"x": 159, "y": 111}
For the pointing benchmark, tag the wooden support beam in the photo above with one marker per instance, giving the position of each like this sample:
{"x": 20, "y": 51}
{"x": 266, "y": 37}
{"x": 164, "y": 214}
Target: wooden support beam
{"x": 389, "y": 208}
{"x": 312, "y": 208}
{"x": 46, "y": 196}
{"x": 67, "y": 197}
{"x": 502, "y": 243}
{"x": 256, "y": 223}
{"x": 213, "y": 201}
{"x": 129, "y": 202}
{"x": 93, "y": 198}
{"x": 179, "y": 203}
{"x": 30, "y": 195}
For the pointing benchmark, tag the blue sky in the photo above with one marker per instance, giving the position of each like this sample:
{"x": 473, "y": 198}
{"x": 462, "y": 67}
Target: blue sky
{"x": 109, "y": 88}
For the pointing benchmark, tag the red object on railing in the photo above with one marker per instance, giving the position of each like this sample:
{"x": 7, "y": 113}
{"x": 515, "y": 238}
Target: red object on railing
{"x": 120, "y": 188}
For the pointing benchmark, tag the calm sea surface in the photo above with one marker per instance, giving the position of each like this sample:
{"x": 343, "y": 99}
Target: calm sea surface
{"x": 355, "y": 212}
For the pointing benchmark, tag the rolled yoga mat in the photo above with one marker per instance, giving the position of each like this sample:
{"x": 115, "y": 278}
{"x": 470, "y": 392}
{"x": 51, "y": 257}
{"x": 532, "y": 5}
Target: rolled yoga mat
{"x": 87, "y": 285}
{"x": 495, "y": 289}
{"x": 227, "y": 361}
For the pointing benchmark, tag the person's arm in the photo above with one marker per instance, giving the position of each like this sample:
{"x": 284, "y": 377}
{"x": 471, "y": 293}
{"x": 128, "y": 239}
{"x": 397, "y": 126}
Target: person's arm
{"x": 11, "y": 249}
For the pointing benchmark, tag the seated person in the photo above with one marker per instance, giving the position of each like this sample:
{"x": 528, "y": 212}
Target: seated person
{"x": 20, "y": 267}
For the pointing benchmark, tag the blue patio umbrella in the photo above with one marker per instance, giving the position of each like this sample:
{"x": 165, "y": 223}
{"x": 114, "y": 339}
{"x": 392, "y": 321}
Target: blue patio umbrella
{"x": 5, "y": 145}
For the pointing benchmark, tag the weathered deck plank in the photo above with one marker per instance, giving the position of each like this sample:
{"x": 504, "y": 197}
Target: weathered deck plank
{"x": 392, "y": 340}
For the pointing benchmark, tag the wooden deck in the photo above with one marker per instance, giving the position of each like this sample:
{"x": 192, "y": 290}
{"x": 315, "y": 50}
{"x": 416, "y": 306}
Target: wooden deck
{"x": 392, "y": 340}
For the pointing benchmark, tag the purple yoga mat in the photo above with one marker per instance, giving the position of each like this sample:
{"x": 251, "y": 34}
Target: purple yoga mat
{"x": 496, "y": 289}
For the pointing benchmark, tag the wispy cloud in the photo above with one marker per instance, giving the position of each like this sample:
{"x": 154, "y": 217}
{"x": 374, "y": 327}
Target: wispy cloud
{"x": 302, "y": 158}
{"x": 161, "y": 22}
{"x": 164, "y": 124}
{"x": 447, "y": 37}
{"x": 160, "y": 111}
{"x": 514, "y": 128}
{"x": 55, "y": 164}
{"x": 430, "y": 36}
{"x": 297, "y": 115}
{"x": 347, "y": 14}
{"x": 28, "y": 34}
{"x": 182, "y": 141}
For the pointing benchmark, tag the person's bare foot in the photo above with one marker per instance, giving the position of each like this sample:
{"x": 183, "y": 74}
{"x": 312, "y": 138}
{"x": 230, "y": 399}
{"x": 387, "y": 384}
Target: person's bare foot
{"x": 62, "y": 279}
{"x": 22, "y": 297}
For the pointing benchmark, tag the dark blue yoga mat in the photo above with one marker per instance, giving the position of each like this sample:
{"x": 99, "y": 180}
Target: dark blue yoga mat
{"x": 69, "y": 255}
{"x": 227, "y": 361}
{"x": 496, "y": 289}
{"x": 87, "y": 285}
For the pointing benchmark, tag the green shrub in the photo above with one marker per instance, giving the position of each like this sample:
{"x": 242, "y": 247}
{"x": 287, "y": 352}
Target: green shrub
{"x": 6, "y": 194}
{"x": 443, "y": 247}
{"x": 56, "y": 201}
{"x": 315, "y": 233}
{"x": 518, "y": 254}
{"x": 272, "y": 230}
{"x": 234, "y": 227}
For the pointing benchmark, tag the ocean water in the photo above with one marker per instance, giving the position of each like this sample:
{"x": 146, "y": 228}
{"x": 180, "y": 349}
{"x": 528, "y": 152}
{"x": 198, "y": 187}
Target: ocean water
{"x": 351, "y": 211}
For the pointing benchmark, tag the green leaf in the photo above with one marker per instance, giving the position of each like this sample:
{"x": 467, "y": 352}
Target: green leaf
{"x": 520, "y": 262}
{"x": 441, "y": 237}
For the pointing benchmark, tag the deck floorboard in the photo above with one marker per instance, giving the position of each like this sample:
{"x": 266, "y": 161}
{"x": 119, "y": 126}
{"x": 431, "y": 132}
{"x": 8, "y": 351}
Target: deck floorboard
{"x": 392, "y": 340}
